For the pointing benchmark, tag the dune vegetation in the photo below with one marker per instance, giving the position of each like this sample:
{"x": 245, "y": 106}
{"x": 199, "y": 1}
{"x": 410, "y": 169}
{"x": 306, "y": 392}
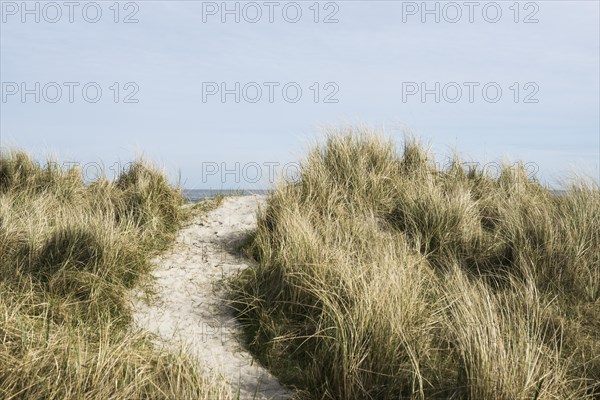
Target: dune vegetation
{"x": 69, "y": 253}
{"x": 382, "y": 276}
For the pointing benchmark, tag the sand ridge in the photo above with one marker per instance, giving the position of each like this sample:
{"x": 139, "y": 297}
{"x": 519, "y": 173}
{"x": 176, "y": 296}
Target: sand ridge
{"x": 189, "y": 308}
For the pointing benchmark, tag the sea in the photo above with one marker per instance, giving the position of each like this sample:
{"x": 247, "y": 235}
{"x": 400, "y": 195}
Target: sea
{"x": 195, "y": 195}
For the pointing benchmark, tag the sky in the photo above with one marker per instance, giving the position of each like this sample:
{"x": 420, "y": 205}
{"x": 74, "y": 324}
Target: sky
{"x": 229, "y": 95}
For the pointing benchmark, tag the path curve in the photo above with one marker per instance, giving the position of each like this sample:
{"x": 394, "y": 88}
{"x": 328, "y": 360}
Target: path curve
{"x": 189, "y": 309}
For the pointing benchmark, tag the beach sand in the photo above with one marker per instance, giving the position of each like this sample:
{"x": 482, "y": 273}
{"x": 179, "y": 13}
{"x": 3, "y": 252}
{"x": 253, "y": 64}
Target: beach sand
{"x": 188, "y": 308}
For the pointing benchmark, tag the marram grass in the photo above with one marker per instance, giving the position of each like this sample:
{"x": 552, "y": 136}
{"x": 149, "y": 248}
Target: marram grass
{"x": 381, "y": 276}
{"x": 69, "y": 252}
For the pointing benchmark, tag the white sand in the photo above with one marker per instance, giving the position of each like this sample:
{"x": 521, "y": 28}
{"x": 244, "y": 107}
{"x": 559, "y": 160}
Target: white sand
{"x": 189, "y": 309}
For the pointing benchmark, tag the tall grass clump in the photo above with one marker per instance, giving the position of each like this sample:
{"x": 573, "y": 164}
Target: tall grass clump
{"x": 381, "y": 276}
{"x": 69, "y": 252}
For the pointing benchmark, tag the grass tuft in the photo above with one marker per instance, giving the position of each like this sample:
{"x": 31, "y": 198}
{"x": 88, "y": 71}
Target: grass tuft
{"x": 381, "y": 276}
{"x": 69, "y": 252}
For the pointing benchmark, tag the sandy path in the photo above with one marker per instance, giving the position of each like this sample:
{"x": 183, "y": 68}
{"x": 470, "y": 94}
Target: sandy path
{"x": 188, "y": 309}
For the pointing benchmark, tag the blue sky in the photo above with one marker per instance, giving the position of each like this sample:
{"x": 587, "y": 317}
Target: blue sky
{"x": 366, "y": 60}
